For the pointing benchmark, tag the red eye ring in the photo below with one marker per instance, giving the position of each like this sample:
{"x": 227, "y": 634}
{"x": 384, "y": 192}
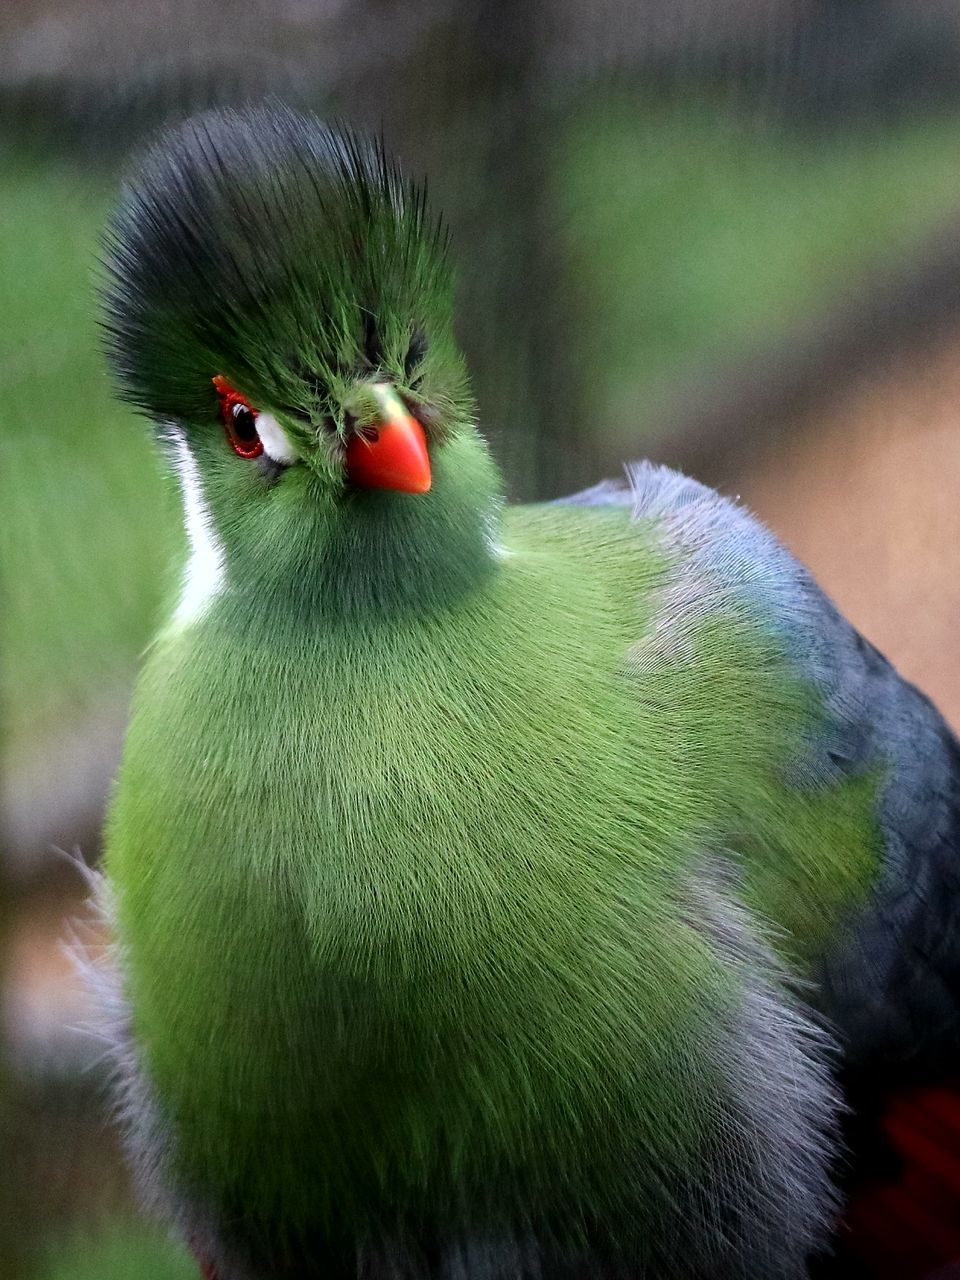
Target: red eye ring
{"x": 239, "y": 420}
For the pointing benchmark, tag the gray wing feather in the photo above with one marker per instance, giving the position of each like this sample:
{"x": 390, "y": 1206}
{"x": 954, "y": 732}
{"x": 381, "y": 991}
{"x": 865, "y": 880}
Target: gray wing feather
{"x": 890, "y": 982}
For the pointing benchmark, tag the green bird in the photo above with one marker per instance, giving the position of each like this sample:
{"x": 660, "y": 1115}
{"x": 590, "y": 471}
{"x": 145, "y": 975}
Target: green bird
{"x": 491, "y": 883}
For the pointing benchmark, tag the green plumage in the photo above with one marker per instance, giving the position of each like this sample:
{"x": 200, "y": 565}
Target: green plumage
{"x": 410, "y": 887}
{"x": 449, "y": 839}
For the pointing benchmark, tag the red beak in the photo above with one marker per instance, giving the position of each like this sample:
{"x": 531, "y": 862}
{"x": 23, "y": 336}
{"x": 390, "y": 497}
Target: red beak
{"x": 391, "y": 453}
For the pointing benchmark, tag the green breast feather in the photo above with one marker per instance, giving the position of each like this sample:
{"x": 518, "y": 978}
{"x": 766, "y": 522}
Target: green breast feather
{"x": 401, "y": 887}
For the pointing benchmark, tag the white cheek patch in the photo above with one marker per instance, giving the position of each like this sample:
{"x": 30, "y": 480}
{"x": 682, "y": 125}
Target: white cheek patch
{"x": 276, "y": 442}
{"x": 206, "y": 568}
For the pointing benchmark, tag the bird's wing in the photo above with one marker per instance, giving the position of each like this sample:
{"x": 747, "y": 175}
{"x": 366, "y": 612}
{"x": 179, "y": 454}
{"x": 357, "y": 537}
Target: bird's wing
{"x": 891, "y": 984}
{"x": 889, "y": 980}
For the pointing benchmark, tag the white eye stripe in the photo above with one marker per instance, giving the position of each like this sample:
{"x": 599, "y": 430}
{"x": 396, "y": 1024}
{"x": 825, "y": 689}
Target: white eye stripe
{"x": 276, "y": 442}
{"x": 206, "y": 566}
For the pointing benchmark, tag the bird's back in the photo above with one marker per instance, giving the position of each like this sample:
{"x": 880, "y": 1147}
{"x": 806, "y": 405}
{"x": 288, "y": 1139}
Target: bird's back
{"x": 887, "y": 972}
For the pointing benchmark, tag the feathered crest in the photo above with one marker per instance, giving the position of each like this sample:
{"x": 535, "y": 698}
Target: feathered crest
{"x": 269, "y": 246}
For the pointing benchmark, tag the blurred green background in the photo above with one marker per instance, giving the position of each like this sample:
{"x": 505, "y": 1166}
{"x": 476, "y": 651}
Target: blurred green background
{"x": 722, "y": 234}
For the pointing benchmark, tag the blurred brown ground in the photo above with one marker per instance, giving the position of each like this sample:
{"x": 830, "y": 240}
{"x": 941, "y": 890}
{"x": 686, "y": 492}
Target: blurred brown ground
{"x": 866, "y": 491}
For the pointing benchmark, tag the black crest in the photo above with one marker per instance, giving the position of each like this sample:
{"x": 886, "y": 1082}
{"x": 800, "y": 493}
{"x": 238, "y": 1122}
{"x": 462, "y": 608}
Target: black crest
{"x": 268, "y": 246}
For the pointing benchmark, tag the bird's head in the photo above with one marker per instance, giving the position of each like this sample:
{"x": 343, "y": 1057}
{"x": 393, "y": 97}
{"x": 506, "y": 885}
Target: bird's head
{"x": 280, "y": 303}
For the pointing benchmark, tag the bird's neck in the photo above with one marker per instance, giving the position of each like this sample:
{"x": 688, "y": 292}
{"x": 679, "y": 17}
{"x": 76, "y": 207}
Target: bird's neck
{"x": 379, "y": 552}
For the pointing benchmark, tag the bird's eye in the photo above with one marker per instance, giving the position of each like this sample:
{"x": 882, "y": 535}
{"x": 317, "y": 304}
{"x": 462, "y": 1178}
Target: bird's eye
{"x": 239, "y": 419}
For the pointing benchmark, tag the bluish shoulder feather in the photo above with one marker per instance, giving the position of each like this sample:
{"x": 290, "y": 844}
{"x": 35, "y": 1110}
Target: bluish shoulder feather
{"x": 891, "y": 982}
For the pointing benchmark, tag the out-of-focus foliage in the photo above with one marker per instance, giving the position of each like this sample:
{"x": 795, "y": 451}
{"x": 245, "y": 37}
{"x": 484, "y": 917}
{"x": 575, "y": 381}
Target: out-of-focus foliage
{"x": 123, "y": 1252}
{"x": 78, "y": 474}
{"x": 695, "y": 235}
{"x": 86, "y": 531}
